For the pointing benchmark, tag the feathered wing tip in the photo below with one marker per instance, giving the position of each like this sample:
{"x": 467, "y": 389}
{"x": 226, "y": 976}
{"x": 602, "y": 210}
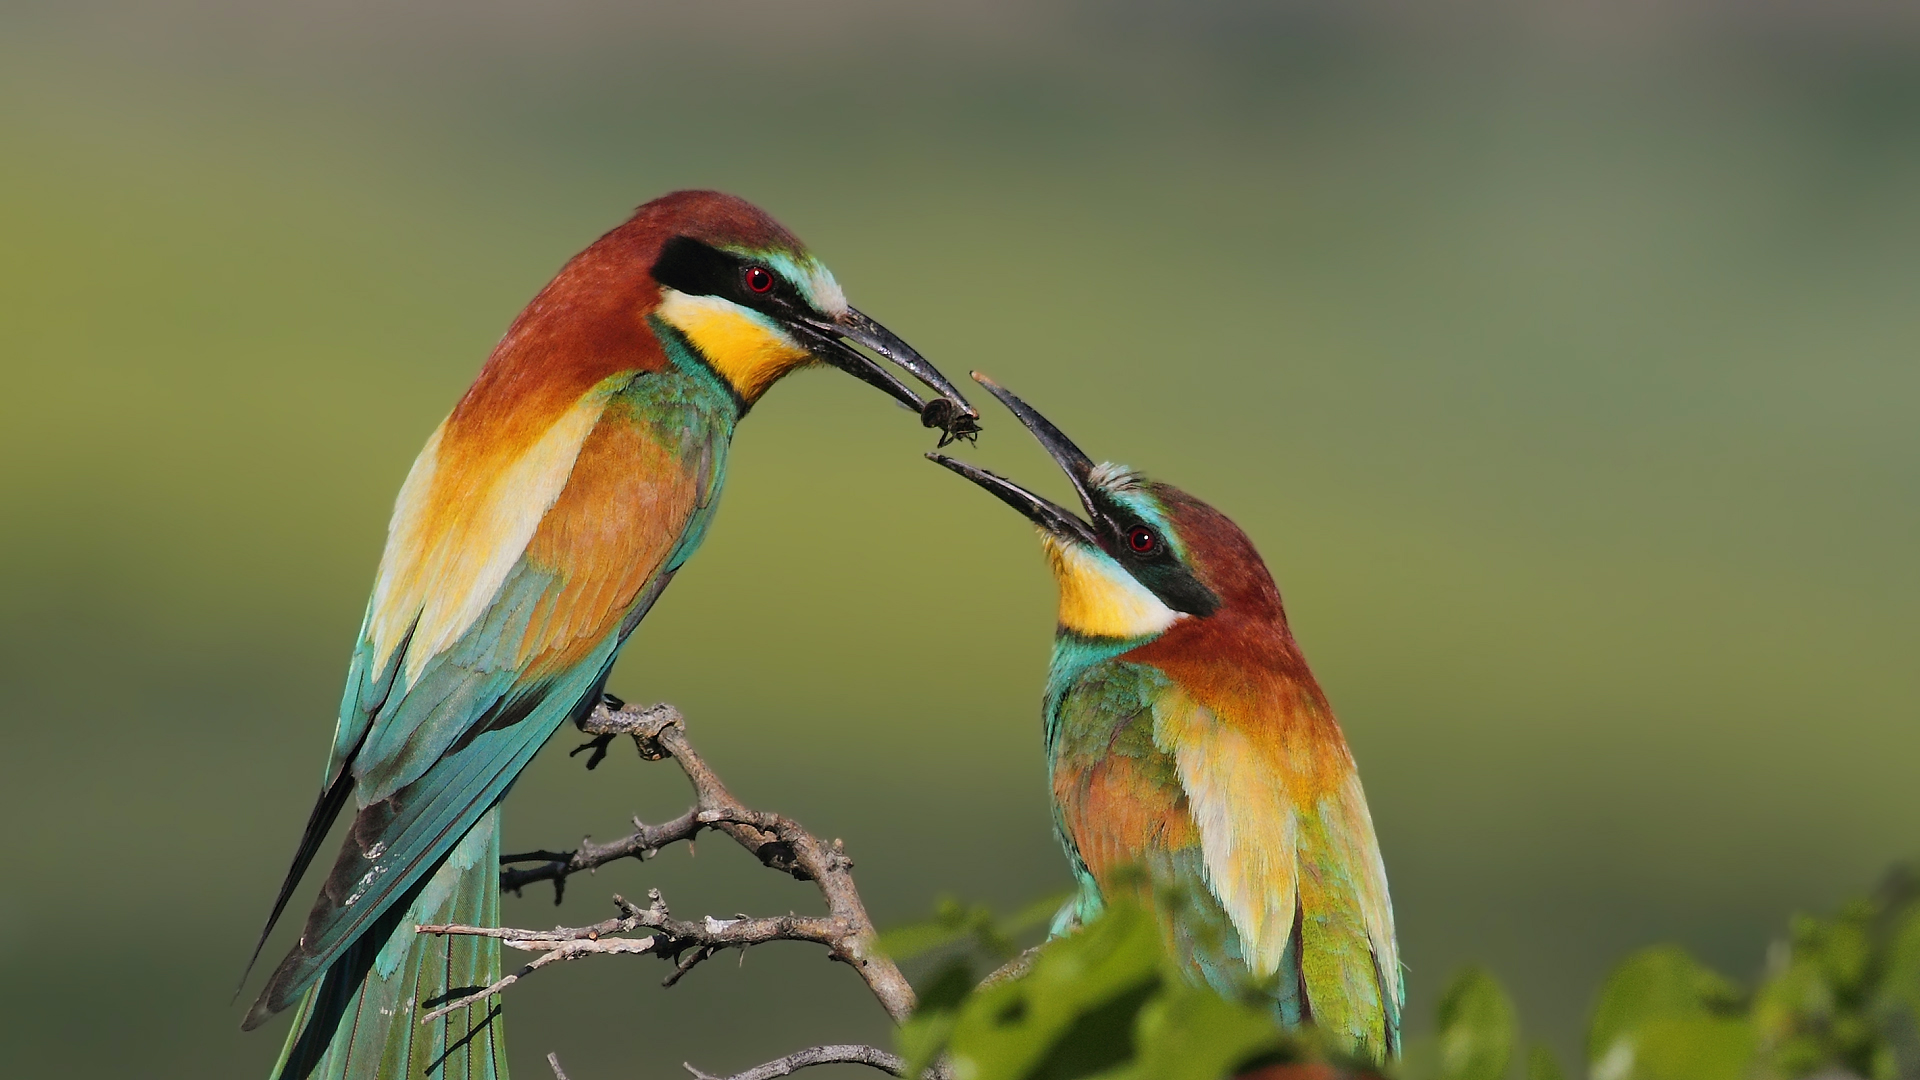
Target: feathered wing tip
{"x": 371, "y": 999}
{"x": 1297, "y": 875}
{"x": 319, "y": 820}
{"x": 1349, "y": 960}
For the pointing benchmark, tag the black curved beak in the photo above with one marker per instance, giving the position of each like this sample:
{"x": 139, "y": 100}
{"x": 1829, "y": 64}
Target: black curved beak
{"x": 829, "y": 340}
{"x": 1045, "y": 513}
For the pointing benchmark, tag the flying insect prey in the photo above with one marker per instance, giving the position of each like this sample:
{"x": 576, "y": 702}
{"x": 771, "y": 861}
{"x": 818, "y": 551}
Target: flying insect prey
{"x": 542, "y": 520}
{"x": 1193, "y": 757}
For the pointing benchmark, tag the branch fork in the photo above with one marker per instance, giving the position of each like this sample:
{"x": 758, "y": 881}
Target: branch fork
{"x": 780, "y": 843}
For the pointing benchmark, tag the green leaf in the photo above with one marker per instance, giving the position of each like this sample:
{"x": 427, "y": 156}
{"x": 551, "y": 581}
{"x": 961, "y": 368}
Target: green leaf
{"x": 1072, "y": 1015}
{"x": 1686, "y": 1048}
{"x": 1477, "y": 1028}
{"x": 973, "y": 925}
{"x": 1655, "y": 984}
{"x": 952, "y": 922}
{"x": 925, "y": 1034}
{"x": 1901, "y": 983}
{"x": 1106, "y": 1003}
{"x": 1843, "y": 993}
{"x": 1841, "y": 947}
{"x": 1035, "y": 915}
{"x": 1542, "y": 1065}
{"x": 948, "y": 986}
{"x": 1900, "y": 994}
{"x": 918, "y": 939}
{"x": 922, "y": 1038}
{"x": 1191, "y": 1033}
{"x": 1664, "y": 1016}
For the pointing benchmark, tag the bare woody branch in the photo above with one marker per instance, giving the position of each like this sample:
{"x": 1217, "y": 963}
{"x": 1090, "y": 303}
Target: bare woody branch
{"x": 777, "y": 841}
{"x": 871, "y": 1056}
{"x": 556, "y": 866}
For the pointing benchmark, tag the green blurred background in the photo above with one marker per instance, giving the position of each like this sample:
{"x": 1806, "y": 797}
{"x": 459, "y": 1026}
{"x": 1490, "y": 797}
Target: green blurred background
{"x": 1563, "y": 359}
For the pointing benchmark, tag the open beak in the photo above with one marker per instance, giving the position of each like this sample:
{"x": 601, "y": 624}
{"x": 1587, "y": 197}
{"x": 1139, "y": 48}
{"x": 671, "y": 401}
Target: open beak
{"x": 1045, "y": 513}
{"x": 828, "y": 340}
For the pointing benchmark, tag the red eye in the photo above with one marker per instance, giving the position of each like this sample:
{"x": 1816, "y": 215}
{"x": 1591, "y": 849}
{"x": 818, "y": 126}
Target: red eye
{"x": 759, "y": 279}
{"x": 1142, "y": 540}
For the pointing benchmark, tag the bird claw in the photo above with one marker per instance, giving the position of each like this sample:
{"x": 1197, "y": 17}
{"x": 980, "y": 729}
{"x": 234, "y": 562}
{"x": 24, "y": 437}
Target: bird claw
{"x": 598, "y": 744}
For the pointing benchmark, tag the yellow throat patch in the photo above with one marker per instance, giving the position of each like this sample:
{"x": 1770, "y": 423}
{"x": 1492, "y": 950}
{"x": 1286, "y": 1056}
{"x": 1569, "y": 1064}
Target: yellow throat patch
{"x": 1098, "y": 598}
{"x": 739, "y": 344}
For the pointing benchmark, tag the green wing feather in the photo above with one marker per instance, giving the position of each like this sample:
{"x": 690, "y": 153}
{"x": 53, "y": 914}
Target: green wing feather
{"x": 1121, "y": 743}
{"x": 397, "y": 840}
{"x": 427, "y": 764}
{"x": 360, "y": 1022}
{"x": 1285, "y": 855}
{"x": 1348, "y": 965}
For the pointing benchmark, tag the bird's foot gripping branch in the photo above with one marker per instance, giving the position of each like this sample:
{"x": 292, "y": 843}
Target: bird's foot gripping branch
{"x": 777, "y": 841}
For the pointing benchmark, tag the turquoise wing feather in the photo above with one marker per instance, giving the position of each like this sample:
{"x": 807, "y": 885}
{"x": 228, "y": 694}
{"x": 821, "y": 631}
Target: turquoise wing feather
{"x": 427, "y": 746}
{"x": 361, "y": 1020}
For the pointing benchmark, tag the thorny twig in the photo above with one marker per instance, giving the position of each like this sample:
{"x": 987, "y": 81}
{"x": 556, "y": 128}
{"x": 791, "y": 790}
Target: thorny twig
{"x": 777, "y": 841}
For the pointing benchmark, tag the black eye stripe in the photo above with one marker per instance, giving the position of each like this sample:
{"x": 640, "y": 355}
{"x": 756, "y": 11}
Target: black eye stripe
{"x": 696, "y": 269}
{"x": 1153, "y": 565}
{"x": 691, "y": 267}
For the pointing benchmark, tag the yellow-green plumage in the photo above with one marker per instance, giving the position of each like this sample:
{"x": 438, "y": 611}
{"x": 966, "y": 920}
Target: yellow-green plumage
{"x": 534, "y": 532}
{"x": 1194, "y": 759}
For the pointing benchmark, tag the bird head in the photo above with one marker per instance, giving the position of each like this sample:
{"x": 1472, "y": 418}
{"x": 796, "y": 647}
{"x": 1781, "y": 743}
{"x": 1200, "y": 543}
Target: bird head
{"x": 756, "y": 304}
{"x": 1147, "y": 556}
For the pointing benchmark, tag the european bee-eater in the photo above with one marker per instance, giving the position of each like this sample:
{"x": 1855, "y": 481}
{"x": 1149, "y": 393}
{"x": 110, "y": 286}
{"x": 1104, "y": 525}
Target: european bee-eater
{"x": 1193, "y": 756}
{"x": 541, "y": 521}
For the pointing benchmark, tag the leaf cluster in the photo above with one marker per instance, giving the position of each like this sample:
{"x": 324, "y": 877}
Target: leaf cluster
{"x": 960, "y": 935}
{"x": 1840, "y": 999}
{"x": 1844, "y": 993}
{"x": 1105, "y": 1003}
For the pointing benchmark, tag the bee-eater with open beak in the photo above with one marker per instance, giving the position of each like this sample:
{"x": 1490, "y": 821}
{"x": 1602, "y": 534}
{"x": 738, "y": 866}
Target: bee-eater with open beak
{"x": 539, "y": 524}
{"x": 1194, "y": 758}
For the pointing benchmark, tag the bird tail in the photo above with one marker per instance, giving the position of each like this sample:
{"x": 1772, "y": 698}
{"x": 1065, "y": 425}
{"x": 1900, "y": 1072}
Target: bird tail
{"x": 361, "y": 1020}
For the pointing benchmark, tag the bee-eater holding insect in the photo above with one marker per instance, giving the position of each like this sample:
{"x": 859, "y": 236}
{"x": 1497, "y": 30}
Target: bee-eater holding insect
{"x": 1193, "y": 756}
{"x": 541, "y": 521}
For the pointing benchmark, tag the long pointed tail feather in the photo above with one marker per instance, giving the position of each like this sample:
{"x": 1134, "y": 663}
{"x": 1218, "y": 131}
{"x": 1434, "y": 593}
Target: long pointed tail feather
{"x": 361, "y": 1021}
{"x": 319, "y": 820}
